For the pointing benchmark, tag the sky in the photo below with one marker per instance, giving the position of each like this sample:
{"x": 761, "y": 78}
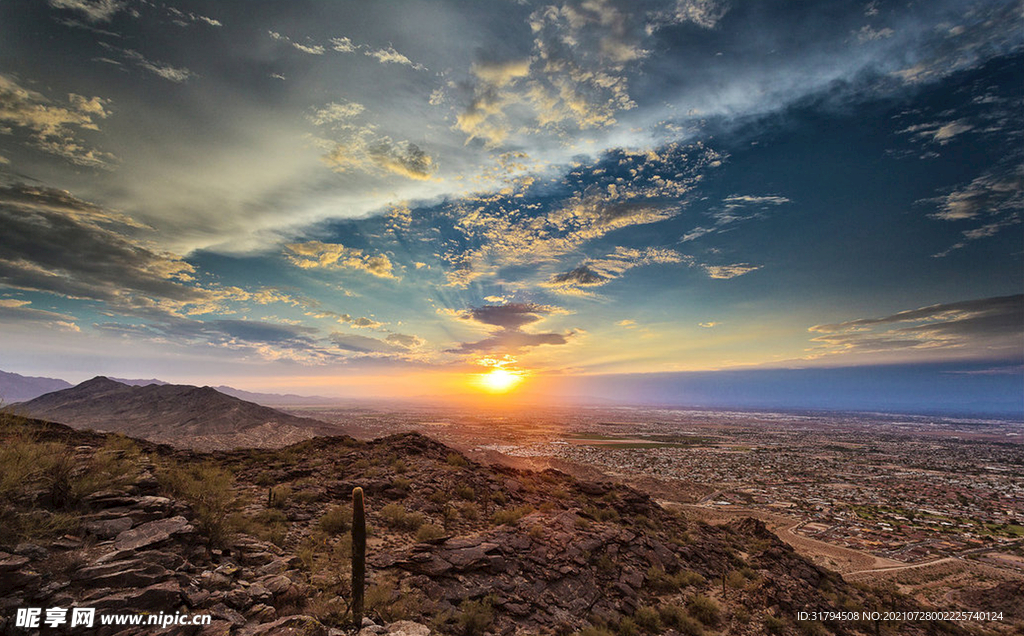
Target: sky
{"x": 393, "y": 198}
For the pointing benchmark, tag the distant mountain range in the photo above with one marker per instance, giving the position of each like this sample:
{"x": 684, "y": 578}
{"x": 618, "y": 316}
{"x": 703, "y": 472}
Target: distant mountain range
{"x": 19, "y": 388}
{"x": 181, "y": 415}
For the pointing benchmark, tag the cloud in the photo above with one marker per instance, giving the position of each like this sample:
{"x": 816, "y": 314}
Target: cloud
{"x": 996, "y": 196}
{"x": 16, "y": 311}
{"x": 91, "y": 10}
{"x": 313, "y": 254}
{"x": 938, "y": 132}
{"x": 599, "y": 271}
{"x": 262, "y": 339}
{"x": 982, "y": 327}
{"x": 708, "y": 325}
{"x": 343, "y": 45}
{"x": 510, "y": 319}
{"x": 703, "y": 13}
{"x": 361, "y": 147}
{"x": 391, "y": 56}
{"x": 336, "y": 112}
{"x": 868, "y": 34}
{"x": 360, "y": 344}
{"x": 184, "y": 19}
{"x": 52, "y": 128}
{"x": 499, "y": 230}
{"x": 160, "y": 69}
{"x": 55, "y": 243}
{"x": 310, "y": 49}
{"x": 989, "y": 195}
{"x": 576, "y": 75}
{"x": 404, "y": 341}
{"x": 729, "y": 271}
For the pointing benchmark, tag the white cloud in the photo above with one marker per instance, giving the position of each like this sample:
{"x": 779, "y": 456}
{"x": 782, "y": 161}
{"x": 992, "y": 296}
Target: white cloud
{"x": 91, "y": 10}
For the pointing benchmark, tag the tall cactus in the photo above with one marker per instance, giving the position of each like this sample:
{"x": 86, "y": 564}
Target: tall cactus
{"x": 358, "y": 555}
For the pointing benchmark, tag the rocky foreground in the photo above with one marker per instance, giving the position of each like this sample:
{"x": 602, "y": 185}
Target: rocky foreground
{"x": 258, "y": 540}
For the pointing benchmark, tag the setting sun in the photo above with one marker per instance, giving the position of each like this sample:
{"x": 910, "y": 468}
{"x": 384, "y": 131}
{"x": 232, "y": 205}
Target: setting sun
{"x": 499, "y": 380}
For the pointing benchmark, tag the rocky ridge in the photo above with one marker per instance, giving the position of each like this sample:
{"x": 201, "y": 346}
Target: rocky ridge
{"x": 510, "y": 552}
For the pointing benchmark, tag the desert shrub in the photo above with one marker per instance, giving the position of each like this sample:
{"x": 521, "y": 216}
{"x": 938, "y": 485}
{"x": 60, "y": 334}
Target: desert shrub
{"x": 398, "y": 518}
{"x": 390, "y": 603}
{"x": 705, "y": 609}
{"x": 605, "y": 565}
{"x": 280, "y": 496}
{"x": 208, "y": 488}
{"x": 265, "y": 479}
{"x": 470, "y": 511}
{"x": 602, "y": 514}
{"x": 627, "y": 627}
{"x": 736, "y": 580}
{"x": 509, "y": 516}
{"x": 659, "y": 581}
{"x": 456, "y": 460}
{"x": 475, "y": 616}
{"x": 337, "y": 520}
{"x": 399, "y": 466}
{"x": 687, "y": 578}
{"x": 306, "y": 496}
{"x": 25, "y": 461}
{"x": 536, "y": 531}
{"x": 429, "y": 532}
{"x": 328, "y": 608}
{"x": 675, "y": 616}
{"x": 465, "y": 491}
{"x": 401, "y": 484}
{"x": 439, "y": 497}
{"x": 774, "y": 625}
{"x": 499, "y": 497}
{"x": 547, "y": 507}
{"x": 647, "y": 619}
{"x": 594, "y": 630}
{"x": 35, "y": 525}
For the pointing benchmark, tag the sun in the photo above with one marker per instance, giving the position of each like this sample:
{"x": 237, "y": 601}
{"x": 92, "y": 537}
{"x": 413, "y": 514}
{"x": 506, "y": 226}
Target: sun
{"x": 499, "y": 380}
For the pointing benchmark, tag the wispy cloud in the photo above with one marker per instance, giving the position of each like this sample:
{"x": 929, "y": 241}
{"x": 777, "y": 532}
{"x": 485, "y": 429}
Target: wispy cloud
{"x": 985, "y": 327}
{"x": 91, "y": 10}
{"x": 168, "y": 72}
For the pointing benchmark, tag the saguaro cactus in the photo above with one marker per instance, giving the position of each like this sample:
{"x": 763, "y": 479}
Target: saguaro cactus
{"x": 358, "y": 555}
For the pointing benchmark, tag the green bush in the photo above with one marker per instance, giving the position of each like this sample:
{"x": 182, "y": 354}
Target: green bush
{"x": 457, "y": 460}
{"x": 337, "y": 520}
{"x": 647, "y": 619}
{"x": 398, "y": 518}
{"x": 510, "y": 516}
{"x": 208, "y": 488}
{"x": 704, "y": 609}
{"x": 429, "y": 532}
{"x": 475, "y": 616}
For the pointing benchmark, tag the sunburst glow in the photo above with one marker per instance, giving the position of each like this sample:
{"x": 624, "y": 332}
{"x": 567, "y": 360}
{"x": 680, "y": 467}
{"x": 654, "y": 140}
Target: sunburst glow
{"x": 499, "y": 380}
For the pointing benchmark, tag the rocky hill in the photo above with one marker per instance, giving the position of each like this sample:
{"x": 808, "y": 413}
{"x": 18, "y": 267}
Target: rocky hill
{"x": 181, "y": 415}
{"x": 259, "y": 540}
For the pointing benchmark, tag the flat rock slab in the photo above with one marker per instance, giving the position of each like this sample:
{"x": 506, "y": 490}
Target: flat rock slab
{"x": 152, "y": 532}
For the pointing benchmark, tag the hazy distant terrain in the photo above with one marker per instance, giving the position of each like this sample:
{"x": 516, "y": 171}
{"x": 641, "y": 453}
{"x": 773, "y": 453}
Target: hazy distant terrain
{"x": 15, "y": 387}
{"x": 180, "y": 415}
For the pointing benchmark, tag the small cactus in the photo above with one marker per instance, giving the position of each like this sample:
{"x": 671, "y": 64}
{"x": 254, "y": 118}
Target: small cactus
{"x": 358, "y": 555}
{"x": 270, "y": 497}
